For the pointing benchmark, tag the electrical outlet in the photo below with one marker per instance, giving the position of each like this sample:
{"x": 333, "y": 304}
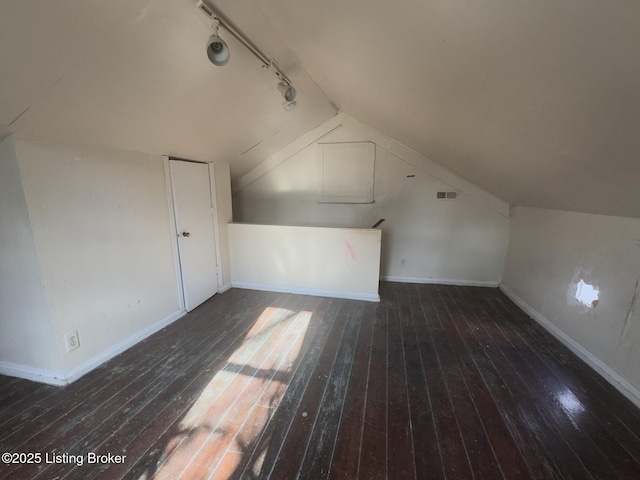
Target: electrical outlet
{"x": 72, "y": 340}
{"x": 403, "y": 261}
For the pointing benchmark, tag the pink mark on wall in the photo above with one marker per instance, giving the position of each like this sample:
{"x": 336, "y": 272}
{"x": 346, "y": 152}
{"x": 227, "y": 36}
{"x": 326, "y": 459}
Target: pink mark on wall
{"x": 351, "y": 252}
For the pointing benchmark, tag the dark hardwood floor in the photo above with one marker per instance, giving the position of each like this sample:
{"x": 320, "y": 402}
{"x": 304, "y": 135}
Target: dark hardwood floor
{"x": 432, "y": 382}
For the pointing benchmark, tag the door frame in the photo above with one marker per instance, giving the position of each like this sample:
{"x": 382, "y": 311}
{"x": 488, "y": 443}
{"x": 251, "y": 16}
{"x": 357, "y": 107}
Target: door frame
{"x": 174, "y": 230}
{"x": 216, "y": 227}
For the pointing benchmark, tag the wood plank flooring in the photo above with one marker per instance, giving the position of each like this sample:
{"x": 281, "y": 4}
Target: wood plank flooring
{"x": 432, "y": 382}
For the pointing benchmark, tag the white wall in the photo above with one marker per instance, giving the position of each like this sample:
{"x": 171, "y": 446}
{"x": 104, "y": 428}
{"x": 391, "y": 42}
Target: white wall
{"x": 100, "y": 223}
{"x": 550, "y": 252}
{"x": 457, "y": 241}
{"x": 224, "y": 214}
{"x": 26, "y": 329}
{"x": 334, "y": 262}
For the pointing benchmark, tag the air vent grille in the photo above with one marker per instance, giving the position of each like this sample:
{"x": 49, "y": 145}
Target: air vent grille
{"x": 446, "y": 195}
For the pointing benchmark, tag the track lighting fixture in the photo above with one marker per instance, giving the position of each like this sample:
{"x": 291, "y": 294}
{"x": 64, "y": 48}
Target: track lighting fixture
{"x": 217, "y": 49}
{"x": 219, "y": 54}
{"x": 283, "y": 84}
{"x": 287, "y": 91}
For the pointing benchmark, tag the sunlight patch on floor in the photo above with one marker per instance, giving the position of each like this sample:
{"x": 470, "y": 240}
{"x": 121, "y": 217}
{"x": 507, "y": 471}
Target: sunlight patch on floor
{"x": 232, "y": 411}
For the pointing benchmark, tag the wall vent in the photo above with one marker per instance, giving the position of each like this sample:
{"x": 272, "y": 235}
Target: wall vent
{"x": 446, "y": 195}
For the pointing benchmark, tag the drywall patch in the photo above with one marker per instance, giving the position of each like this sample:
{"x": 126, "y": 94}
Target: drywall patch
{"x": 587, "y": 294}
{"x": 584, "y": 291}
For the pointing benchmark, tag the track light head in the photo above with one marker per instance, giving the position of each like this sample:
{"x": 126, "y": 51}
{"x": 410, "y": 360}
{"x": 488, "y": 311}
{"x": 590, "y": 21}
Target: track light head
{"x": 217, "y": 49}
{"x": 288, "y": 92}
{"x": 219, "y": 54}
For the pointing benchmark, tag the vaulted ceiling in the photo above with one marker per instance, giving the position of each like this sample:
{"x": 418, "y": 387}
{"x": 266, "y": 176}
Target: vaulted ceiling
{"x": 537, "y": 102}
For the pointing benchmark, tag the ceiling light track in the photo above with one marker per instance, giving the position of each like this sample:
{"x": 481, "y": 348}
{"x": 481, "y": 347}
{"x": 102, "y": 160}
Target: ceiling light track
{"x": 219, "y": 54}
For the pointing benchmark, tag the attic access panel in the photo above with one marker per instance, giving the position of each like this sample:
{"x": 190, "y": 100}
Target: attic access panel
{"x": 346, "y": 172}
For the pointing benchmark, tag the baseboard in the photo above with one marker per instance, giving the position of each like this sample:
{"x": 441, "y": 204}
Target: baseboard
{"x": 439, "y": 281}
{"x": 65, "y": 378}
{"x": 610, "y": 375}
{"x": 224, "y": 288}
{"x": 97, "y": 360}
{"x": 41, "y": 375}
{"x": 367, "y": 297}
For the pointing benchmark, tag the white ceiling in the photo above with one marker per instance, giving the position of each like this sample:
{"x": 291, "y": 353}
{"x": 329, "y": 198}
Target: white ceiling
{"x": 133, "y": 74}
{"x": 538, "y": 102}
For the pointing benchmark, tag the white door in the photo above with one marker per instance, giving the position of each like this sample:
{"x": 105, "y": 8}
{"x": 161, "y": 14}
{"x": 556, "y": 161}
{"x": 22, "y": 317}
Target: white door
{"x": 192, "y": 201}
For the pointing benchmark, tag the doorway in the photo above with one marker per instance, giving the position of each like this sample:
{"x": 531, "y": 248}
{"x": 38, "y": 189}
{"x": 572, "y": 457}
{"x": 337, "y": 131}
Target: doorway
{"x": 193, "y": 198}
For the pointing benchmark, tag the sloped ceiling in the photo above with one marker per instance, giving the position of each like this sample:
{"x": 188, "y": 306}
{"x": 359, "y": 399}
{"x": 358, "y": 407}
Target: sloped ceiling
{"x": 133, "y": 74}
{"x": 537, "y": 102}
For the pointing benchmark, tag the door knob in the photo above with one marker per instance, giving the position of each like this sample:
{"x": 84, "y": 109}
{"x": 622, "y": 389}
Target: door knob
{"x": 186, "y": 234}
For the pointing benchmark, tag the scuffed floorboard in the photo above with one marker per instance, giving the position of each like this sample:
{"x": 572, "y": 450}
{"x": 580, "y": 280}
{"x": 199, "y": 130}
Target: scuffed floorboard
{"x": 432, "y": 382}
